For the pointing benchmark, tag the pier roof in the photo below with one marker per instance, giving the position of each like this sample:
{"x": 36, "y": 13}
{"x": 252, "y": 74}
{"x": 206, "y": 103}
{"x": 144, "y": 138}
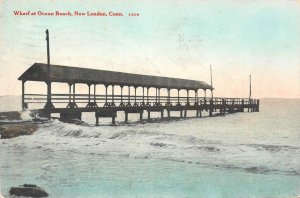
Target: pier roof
{"x": 66, "y": 74}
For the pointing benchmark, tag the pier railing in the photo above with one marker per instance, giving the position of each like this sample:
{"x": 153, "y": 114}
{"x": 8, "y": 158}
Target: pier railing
{"x": 127, "y": 100}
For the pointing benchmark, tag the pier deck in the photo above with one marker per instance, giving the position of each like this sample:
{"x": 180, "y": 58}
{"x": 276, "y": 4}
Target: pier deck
{"x": 110, "y": 105}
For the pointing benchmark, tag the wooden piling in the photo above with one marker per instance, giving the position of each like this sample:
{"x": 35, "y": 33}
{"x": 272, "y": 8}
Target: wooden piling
{"x": 97, "y": 121}
{"x": 141, "y": 116}
{"x": 210, "y": 107}
{"x": 126, "y": 117}
{"x": 243, "y": 105}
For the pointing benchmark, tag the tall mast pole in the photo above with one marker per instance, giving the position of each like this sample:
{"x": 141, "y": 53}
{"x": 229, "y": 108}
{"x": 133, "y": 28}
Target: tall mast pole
{"x": 49, "y": 104}
{"x": 48, "y": 54}
{"x": 250, "y": 88}
{"x": 211, "y": 84}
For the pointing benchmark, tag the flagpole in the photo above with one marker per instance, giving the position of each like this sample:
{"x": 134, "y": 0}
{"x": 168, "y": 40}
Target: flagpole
{"x": 211, "y": 84}
{"x": 250, "y": 88}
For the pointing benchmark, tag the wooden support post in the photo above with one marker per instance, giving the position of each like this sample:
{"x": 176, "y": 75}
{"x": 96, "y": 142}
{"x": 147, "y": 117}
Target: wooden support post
{"x": 149, "y": 112}
{"x": 126, "y": 117}
{"x": 121, "y": 102}
{"x": 223, "y": 106}
{"x": 48, "y": 92}
{"x": 113, "y": 120}
{"x": 49, "y": 104}
{"x": 89, "y": 104}
{"x": 134, "y": 94}
{"x": 23, "y": 95}
{"x": 135, "y": 103}
{"x": 243, "y": 105}
{"x": 143, "y": 95}
{"x": 162, "y": 114}
{"x": 196, "y": 96}
{"x": 128, "y": 95}
{"x": 200, "y": 113}
{"x": 169, "y": 99}
{"x": 121, "y": 94}
{"x": 106, "y": 94}
{"x": 188, "y": 97}
{"x": 257, "y": 106}
{"x": 141, "y": 116}
{"x": 95, "y": 94}
{"x": 210, "y": 107}
{"x": 249, "y": 104}
{"x": 89, "y": 85}
{"x": 70, "y": 92}
{"x": 113, "y": 94}
{"x": 74, "y": 92}
{"x": 147, "y": 95}
{"x": 185, "y": 113}
{"x": 181, "y": 113}
{"x": 156, "y": 96}
{"x": 97, "y": 120}
{"x": 168, "y": 113}
{"x": 72, "y": 103}
{"x": 178, "y": 100}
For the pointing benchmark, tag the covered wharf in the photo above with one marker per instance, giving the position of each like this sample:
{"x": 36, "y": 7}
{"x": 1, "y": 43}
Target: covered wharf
{"x": 107, "y": 105}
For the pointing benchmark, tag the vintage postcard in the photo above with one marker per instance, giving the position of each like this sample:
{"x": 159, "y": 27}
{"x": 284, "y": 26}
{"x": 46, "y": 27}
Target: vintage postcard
{"x": 111, "y": 98}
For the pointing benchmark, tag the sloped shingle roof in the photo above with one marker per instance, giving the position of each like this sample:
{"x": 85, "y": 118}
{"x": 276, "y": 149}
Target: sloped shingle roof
{"x": 59, "y": 73}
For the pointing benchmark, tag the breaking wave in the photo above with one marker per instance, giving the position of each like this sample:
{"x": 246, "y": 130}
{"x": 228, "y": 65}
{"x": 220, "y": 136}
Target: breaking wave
{"x": 180, "y": 142}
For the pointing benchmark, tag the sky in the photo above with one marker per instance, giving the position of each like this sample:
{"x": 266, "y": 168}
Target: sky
{"x": 169, "y": 38}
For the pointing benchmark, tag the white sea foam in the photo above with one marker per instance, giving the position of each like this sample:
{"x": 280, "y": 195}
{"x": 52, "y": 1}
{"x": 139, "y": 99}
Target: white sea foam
{"x": 26, "y": 115}
{"x": 254, "y": 143}
{"x": 190, "y": 141}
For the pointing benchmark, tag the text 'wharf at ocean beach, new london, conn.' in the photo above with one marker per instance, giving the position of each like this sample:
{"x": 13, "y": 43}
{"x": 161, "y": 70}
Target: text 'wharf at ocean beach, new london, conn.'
{"x": 67, "y": 13}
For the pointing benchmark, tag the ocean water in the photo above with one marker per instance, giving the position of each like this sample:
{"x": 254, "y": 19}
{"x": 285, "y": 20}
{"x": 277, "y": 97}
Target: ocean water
{"x": 238, "y": 155}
